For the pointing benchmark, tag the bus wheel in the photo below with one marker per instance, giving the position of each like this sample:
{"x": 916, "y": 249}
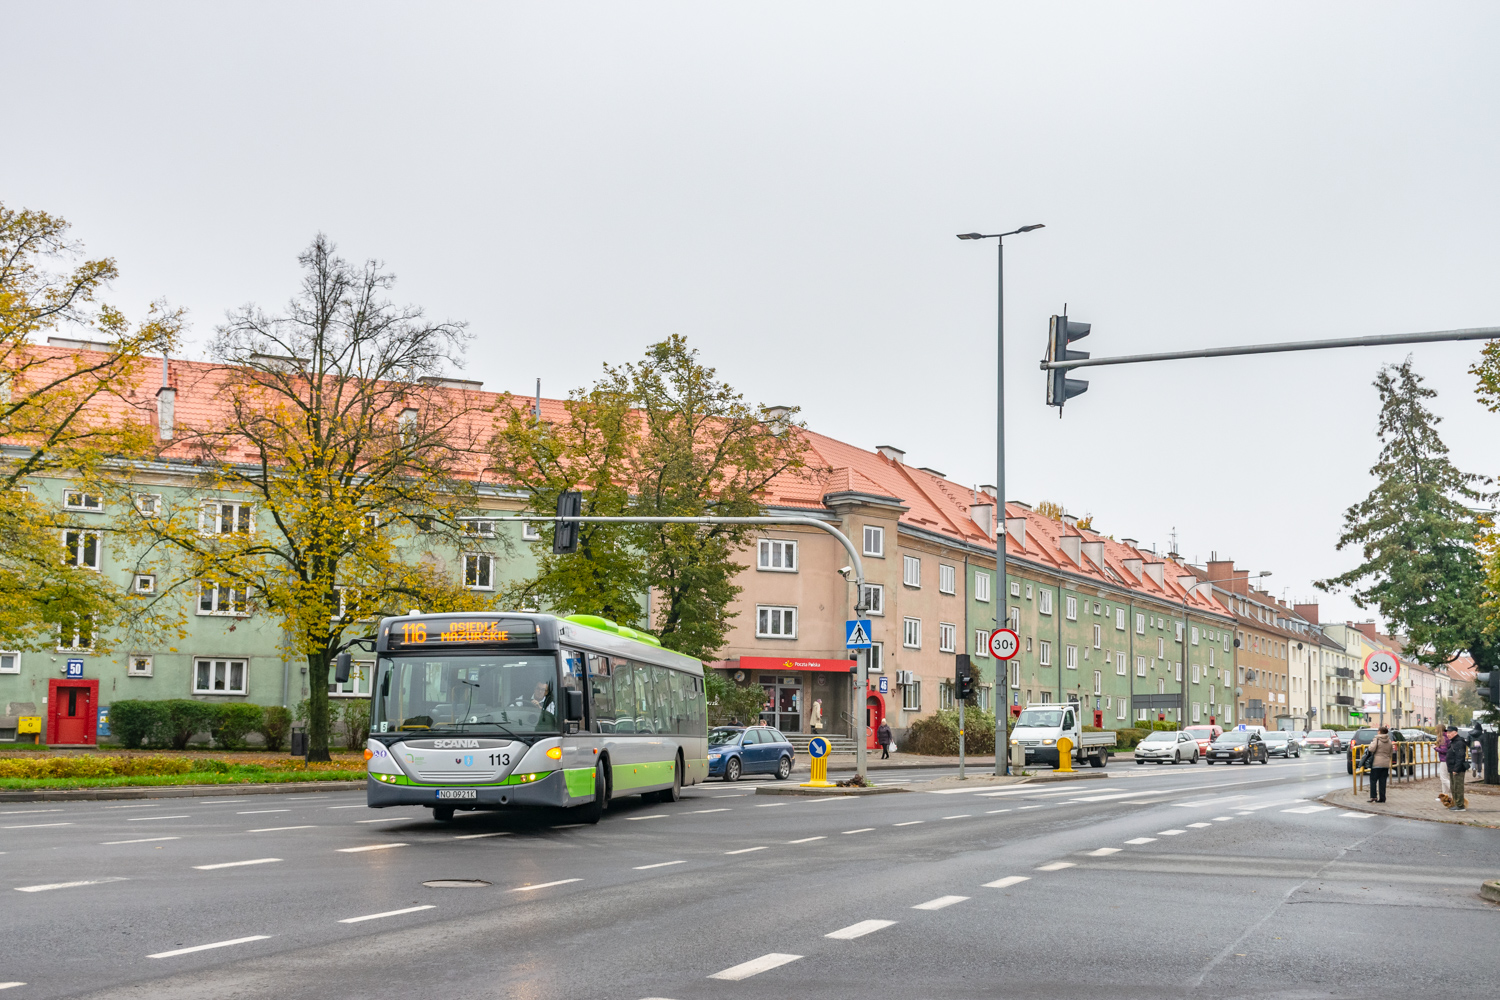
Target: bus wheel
{"x": 442, "y": 813}
{"x": 674, "y": 793}
{"x": 590, "y": 812}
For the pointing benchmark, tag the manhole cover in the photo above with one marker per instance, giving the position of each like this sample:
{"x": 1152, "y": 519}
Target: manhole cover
{"x": 456, "y": 883}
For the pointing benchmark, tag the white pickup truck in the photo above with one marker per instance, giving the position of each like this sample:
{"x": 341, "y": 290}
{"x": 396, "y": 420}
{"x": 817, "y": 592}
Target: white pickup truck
{"x": 1039, "y": 727}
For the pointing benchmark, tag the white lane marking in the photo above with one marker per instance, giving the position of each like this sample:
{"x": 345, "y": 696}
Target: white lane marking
{"x": 769, "y": 805}
{"x": 219, "y": 802}
{"x": 570, "y": 826}
{"x": 68, "y": 885}
{"x": 659, "y": 864}
{"x": 1007, "y": 881}
{"x": 275, "y": 829}
{"x": 1141, "y": 840}
{"x": 1019, "y": 808}
{"x": 806, "y": 840}
{"x": 235, "y": 864}
{"x": 652, "y": 816}
{"x": 476, "y": 836}
{"x": 733, "y": 795}
{"x": 1198, "y": 826}
{"x": 28, "y": 812}
{"x": 1307, "y": 809}
{"x": 1223, "y": 819}
{"x": 1056, "y": 866}
{"x": 33, "y": 826}
{"x": 143, "y": 840}
{"x": 860, "y": 929}
{"x": 387, "y": 913}
{"x": 959, "y": 816}
{"x": 6, "y": 986}
{"x": 148, "y": 819}
{"x": 545, "y": 885}
{"x": 1170, "y": 833}
{"x": 1115, "y": 795}
{"x": 721, "y": 809}
{"x": 939, "y": 903}
{"x": 910, "y": 822}
{"x": 745, "y": 850}
{"x": 385, "y": 819}
{"x": 1104, "y": 852}
{"x": 754, "y": 967}
{"x": 831, "y": 798}
{"x": 863, "y": 829}
{"x": 140, "y": 805}
{"x": 360, "y": 806}
{"x": 1217, "y": 800}
{"x": 368, "y": 847}
{"x": 206, "y": 947}
{"x": 1356, "y": 815}
{"x": 992, "y": 812}
{"x": 257, "y": 812}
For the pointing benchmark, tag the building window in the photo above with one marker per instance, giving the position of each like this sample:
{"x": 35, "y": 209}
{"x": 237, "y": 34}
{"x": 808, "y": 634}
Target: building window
{"x": 1121, "y": 667}
{"x": 1014, "y": 623}
{"x": 1015, "y": 588}
{"x": 358, "y": 684}
{"x": 947, "y": 638}
{"x": 1015, "y": 674}
{"x": 875, "y": 599}
{"x": 148, "y": 504}
{"x": 1044, "y": 603}
{"x": 1179, "y": 670}
{"x": 776, "y": 555}
{"x": 911, "y": 633}
{"x": 1161, "y": 648}
{"x": 144, "y": 583}
{"x": 981, "y": 643}
{"x": 1210, "y": 656}
{"x": 479, "y": 571}
{"x": 217, "y": 599}
{"x": 1071, "y": 660}
{"x": 1140, "y": 666}
{"x": 1197, "y": 712}
{"x": 1195, "y": 635}
{"x": 874, "y": 541}
{"x": 1098, "y": 682}
{"x": 911, "y": 571}
{"x": 1120, "y": 709}
{"x": 1226, "y": 642}
{"x": 947, "y": 579}
{"x": 945, "y": 696}
{"x": 982, "y": 586}
{"x": 1140, "y": 624}
{"x": 911, "y": 696}
{"x": 10, "y": 662}
{"x": 77, "y": 639}
{"x": 82, "y": 548}
{"x": 79, "y": 500}
{"x": 775, "y": 622}
{"x": 1028, "y": 591}
{"x": 1197, "y": 676}
{"x": 875, "y": 658}
{"x": 140, "y": 666}
{"x": 221, "y": 518}
{"x": 1044, "y": 654}
{"x": 1028, "y": 644}
{"x": 1177, "y": 630}
{"x": 1098, "y": 637}
{"x": 1072, "y": 612}
{"x": 219, "y": 677}
{"x": 477, "y": 527}
{"x": 1120, "y": 619}
{"x": 530, "y": 532}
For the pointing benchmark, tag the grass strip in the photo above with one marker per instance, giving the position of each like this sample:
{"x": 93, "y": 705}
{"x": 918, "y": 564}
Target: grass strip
{"x": 190, "y": 778}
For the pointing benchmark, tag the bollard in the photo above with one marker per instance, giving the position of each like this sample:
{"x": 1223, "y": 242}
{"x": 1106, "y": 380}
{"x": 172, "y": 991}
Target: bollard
{"x": 817, "y": 749}
{"x": 1017, "y": 757}
{"x": 1065, "y": 754}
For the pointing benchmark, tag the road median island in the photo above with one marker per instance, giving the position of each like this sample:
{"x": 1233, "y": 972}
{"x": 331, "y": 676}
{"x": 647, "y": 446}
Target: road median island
{"x": 1418, "y": 800}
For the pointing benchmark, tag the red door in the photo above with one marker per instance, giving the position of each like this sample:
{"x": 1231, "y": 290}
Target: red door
{"x": 71, "y": 712}
{"x": 874, "y": 716}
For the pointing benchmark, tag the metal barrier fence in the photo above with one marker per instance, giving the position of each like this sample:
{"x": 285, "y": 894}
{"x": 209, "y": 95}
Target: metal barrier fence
{"x": 1410, "y": 761}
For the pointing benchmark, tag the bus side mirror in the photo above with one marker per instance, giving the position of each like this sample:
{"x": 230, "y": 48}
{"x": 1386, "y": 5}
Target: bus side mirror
{"x": 341, "y": 669}
{"x": 575, "y": 704}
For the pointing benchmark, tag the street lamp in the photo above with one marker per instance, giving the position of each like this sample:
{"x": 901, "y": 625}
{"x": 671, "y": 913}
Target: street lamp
{"x": 1002, "y": 745}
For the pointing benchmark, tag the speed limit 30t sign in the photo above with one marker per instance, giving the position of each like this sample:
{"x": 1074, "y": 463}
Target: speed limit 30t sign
{"x": 1382, "y": 667}
{"x": 1004, "y": 644}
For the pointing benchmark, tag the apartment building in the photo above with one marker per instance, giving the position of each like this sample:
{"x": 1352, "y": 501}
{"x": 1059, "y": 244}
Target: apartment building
{"x": 1335, "y": 677}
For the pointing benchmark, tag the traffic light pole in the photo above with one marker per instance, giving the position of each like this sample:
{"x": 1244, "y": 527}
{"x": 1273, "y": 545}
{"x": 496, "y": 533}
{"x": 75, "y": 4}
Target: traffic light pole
{"x": 1002, "y": 591}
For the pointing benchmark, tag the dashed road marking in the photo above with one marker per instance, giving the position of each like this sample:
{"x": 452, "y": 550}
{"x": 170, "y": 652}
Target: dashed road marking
{"x": 1104, "y": 852}
{"x": 992, "y": 812}
{"x": 910, "y": 822}
{"x": 1223, "y": 819}
{"x": 68, "y": 885}
{"x": 659, "y": 864}
{"x": 745, "y": 850}
{"x": 652, "y": 816}
{"x": 769, "y": 805}
{"x": 1307, "y": 809}
{"x": 278, "y": 829}
{"x": 206, "y": 947}
{"x": 721, "y": 809}
{"x": 863, "y": 829}
{"x": 754, "y": 967}
{"x": 148, "y": 819}
{"x": 6, "y": 986}
{"x": 1198, "y": 826}
{"x": 806, "y": 840}
{"x": 368, "y": 847}
{"x": 257, "y": 812}
{"x": 1356, "y": 815}
{"x": 1141, "y": 840}
{"x": 360, "y": 806}
{"x": 959, "y": 816}
{"x": 477, "y": 836}
{"x": 28, "y": 812}
{"x": 939, "y": 903}
{"x": 545, "y": 885}
{"x": 33, "y": 826}
{"x": 387, "y": 913}
{"x": 236, "y": 864}
{"x": 1170, "y": 833}
{"x": 386, "y": 819}
{"x": 143, "y": 840}
{"x": 1007, "y": 881}
{"x": 860, "y": 929}
{"x": 1056, "y": 866}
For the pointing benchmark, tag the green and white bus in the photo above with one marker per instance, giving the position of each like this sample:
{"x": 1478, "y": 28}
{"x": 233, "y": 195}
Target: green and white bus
{"x": 497, "y": 711}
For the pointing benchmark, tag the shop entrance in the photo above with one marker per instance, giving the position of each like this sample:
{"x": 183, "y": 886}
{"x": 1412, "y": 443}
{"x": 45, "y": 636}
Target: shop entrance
{"x": 783, "y": 706}
{"x": 874, "y": 716}
{"x": 72, "y": 712}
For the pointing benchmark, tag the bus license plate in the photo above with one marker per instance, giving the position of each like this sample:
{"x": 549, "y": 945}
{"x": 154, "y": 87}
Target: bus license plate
{"x": 458, "y": 793}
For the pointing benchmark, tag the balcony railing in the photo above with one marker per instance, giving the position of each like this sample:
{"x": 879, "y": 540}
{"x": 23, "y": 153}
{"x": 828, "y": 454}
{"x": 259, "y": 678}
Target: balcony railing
{"x": 1344, "y": 672}
{"x": 1343, "y": 699}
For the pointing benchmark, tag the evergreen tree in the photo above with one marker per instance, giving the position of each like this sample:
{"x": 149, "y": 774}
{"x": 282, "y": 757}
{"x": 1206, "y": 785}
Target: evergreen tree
{"x": 1417, "y": 530}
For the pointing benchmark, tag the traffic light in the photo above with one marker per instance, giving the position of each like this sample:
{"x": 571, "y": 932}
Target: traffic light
{"x": 565, "y": 535}
{"x": 963, "y": 677}
{"x": 1489, "y": 685}
{"x": 1060, "y": 333}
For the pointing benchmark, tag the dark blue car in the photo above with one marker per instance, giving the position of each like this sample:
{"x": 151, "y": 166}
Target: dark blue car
{"x": 733, "y": 751}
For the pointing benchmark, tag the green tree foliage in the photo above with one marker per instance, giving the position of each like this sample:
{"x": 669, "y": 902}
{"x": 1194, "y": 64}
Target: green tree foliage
{"x": 661, "y": 437}
{"x": 64, "y": 413}
{"x": 1417, "y": 530}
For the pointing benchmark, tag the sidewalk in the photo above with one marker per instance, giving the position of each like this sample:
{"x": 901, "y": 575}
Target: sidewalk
{"x": 1418, "y": 800}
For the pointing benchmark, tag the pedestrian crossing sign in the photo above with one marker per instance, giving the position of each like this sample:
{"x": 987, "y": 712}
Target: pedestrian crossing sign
{"x": 857, "y": 634}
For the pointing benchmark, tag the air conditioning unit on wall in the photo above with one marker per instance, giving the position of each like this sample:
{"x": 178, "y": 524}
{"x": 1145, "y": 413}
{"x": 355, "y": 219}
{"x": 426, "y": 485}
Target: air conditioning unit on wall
{"x": 905, "y": 677}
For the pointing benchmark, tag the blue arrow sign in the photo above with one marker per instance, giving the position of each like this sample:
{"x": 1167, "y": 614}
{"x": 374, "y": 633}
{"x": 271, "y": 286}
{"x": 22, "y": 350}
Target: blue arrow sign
{"x": 857, "y": 634}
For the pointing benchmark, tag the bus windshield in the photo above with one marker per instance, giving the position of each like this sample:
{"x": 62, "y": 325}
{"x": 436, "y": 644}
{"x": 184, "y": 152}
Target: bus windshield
{"x": 485, "y": 693}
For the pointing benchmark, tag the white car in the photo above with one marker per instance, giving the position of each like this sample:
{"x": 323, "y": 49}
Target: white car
{"x": 1163, "y": 746}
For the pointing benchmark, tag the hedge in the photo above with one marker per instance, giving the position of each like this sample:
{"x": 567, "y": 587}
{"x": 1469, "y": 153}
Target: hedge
{"x": 109, "y": 767}
{"x": 175, "y": 721}
{"x": 937, "y": 734}
{"x": 231, "y": 722}
{"x": 275, "y": 725}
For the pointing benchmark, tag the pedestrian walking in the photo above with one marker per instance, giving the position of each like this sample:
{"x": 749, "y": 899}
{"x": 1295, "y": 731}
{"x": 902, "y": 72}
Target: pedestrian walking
{"x": 1457, "y": 760}
{"x": 1445, "y": 796}
{"x": 1381, "y": 752}
{"x": 817, "y": 716}
{"x": 883, "y": 737}
{"x": 1476, "y": 751}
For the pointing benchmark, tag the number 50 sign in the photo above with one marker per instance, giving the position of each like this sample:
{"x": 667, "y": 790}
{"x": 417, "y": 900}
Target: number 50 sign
{"x": 1382, "y": 667}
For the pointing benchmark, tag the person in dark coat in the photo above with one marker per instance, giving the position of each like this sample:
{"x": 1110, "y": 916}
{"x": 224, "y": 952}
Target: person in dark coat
{"x": 883, "y": 737}
{"x": 1457, "y": 761}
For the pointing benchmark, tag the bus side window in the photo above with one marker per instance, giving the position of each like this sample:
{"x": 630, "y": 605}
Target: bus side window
{"x": 601, "y": 694}
{"x": 679, "y": 704}
{"x": 625, "y": 707}
{"x": 661, "y": 700}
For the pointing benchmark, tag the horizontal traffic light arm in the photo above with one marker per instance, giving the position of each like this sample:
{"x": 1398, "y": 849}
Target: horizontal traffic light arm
{"x": 1474, "y": 333}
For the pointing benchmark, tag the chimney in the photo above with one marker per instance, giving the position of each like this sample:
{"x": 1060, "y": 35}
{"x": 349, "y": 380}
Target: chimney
{"x": 891, "y": 452}
{"x": 1134, "y": 567}
{"x": 1016, "y": 526}
{"x": 1070, "y": 520}
{"x": 990, "y": 489}
{"x": 166, "y": 405}
{"x": 984, "y": 516}
{"x": 1072, "y": 545}
{"x": 1156, "y": 571}
{"x": 1307, "y": 611}
{"x": 1187, "y": 581}
{"x": 1018, "y": 503}
{"x": 1095, "y": 552}
{"x": 932, "y": 472}
{"x": 1130, "y": 541}
{"x": 1368, "y": 629}
{"x": 778, "y": 417}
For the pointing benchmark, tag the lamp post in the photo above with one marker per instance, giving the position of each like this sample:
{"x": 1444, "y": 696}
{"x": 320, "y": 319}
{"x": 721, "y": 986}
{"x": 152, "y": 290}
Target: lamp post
{"x": 1002, "y": 745}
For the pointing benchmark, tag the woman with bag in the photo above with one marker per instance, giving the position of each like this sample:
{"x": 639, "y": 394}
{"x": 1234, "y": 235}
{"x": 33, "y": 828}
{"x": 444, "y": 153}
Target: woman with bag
{"x": 883, "y": 737}
{"x": 1380, "y": 754}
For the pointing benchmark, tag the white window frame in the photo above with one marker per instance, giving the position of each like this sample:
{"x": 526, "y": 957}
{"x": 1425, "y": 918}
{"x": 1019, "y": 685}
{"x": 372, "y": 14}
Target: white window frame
{"x": 1197, "y": 673}
{"x": 148, "y": 504}
{"x": 140, "y": 665}
{"x": 1179, "y": 671}
{"x": 530, "y": 532}
{"x": 211, "y": 517}
{"x": 143, "y": 583}
{"x": 358, "y": 684}
{"x": 1015, "y": 674}
{"x": 1098, "y": 637}
{"x": 981, "y": 586}
{"x": 945, "y": 696}
{"x": 1044, "y": 602}
{"x": 1177, "y": 631}
{"x": 1015, "y": 588}
{"x": 911, "y": 633}
{"x": 1071, "y": 657}
{"x": 75, "y": 548}
{"x": 477, "y": 527}
{"x": 77, "y": 645}
{"x": 83, "y": 500}
{"x": 1122, "y": 665}
{"x": 223, "y": 602}
{"x": 1140, "y": 666}
{"x": 1120, "y": 710}
{"x": 911, "y": 696}
{"x": 1098, "y": 683}
{"x": 1072, "y": 609}
{"x": 875, "y": 598}
{"x": 776, "y": 555}
{"x": 947, "y": 579}
{"x": 1044, "y": 653}
{"x": 479, "y": 571}
{"x": 1028, "y": 591}
{"x": 1161, "y": 648}
{"x": 1140, "y": 624}
{"x": 1013, "y": 622}
{"x": 214, "y": 676}
{"x": 911, "y": 572}
{"x": 775, "y": 621}
{"x": 1197, "y": 712}
{"x": 1120, "y": 619}
{"x": 10, "y": 661}
{"x": 947, "y": 637}
{"x": 1195, "y": 635}
{"x": 981, "y": 643}
{"x": 874, "y": 541}
{"x": 875, "y": 658}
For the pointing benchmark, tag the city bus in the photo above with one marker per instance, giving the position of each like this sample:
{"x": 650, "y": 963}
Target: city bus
{"x": 507, "y": 710}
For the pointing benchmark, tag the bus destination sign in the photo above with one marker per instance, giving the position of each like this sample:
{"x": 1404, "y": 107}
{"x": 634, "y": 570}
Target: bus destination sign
{"x": 487, "y": 633}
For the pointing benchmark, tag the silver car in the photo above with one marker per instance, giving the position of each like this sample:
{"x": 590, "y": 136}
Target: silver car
{"x": 1281, "y": 743}
{"x": 1161, "y": 747}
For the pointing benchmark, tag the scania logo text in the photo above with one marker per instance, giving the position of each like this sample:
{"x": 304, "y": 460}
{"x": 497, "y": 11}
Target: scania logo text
{"x": 455, "y": 744}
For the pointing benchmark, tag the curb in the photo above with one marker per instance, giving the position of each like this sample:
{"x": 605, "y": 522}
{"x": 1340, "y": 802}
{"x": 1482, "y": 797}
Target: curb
{"x": 1490, "y": 890}
{"x": 166, "y": 791}
{"x": 1403, "y": 815}
{"x": 799, "y": 790}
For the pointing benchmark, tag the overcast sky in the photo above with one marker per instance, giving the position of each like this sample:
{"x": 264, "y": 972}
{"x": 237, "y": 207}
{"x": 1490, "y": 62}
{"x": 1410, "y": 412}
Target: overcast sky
{"x": 782, "y": 183}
